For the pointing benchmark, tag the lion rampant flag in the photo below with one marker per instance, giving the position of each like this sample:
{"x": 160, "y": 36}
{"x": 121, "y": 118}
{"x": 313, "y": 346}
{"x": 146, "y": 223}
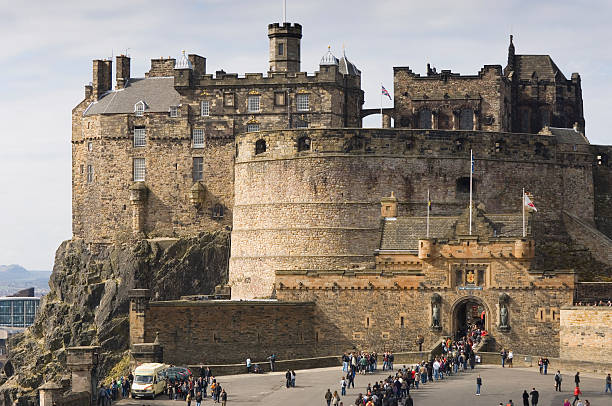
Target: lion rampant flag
{"x": 528, "y": 203}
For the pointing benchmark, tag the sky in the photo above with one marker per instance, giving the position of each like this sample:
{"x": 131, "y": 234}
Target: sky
{"x": 47, "y": 48}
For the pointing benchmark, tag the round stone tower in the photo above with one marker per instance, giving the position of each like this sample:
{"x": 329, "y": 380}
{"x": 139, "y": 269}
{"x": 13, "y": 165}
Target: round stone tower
{"x": 285, "y": 47}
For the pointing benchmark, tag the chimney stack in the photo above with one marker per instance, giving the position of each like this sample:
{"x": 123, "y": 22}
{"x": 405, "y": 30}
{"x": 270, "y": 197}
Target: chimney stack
{"x": 123, "y": 71}
{"x": 102, "y": 77}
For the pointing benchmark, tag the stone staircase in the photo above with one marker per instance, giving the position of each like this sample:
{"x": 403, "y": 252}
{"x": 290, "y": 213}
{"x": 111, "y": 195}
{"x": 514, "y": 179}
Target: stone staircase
{"x": 586, "y": 234}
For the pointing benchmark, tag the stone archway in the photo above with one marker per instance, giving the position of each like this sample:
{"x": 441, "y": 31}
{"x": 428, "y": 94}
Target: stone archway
{"x": 468, "y": 310}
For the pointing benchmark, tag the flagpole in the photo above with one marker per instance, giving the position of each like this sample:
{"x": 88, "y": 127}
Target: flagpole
{"x": 428, "y": 213}
{"x": 523, "y": 210}
{"x": 471, "y": 170}
{"x": 382, "y": 120}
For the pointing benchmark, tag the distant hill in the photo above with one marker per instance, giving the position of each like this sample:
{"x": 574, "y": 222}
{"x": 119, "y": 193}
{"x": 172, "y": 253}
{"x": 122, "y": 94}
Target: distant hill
{"x": 15, "y": 277}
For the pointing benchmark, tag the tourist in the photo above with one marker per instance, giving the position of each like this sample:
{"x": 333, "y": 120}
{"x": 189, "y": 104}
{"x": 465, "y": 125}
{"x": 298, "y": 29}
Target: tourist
{"x": 566, "y": 402}
{"x": 541, "y": 365}
{"x": 292, "y": 378}
{"x": 248, "y": 364}
{"x": 510, "y": 403}
{"x": 335, "y": 399}
{"x": 188, "y": 399}
{"x": 510, "y": 358}
{"x": 343, "y": 384}
{"x": 545, "y": 362}
{"x": 525, "y": 398}
{"x": 503, "y": 355}
{"x": 535, "y": 396}
{"x": 577, "y": 378}
{"x": 223, "y": 397}
{"x": 409, "y": 401}
{"x": 577, "y": 394}
{"x": 478, "y": 385}
{"x": 608, "y": 384}
{"x": 345, "y": 362}
{"x": 558, "y": 379}
{"x": 272, "y": 359}
{"x": 198, "y": 399}
{"x": 351, "y": 378}
{"x": 218, "y": 391}
{"x": 288, "y": 379}
{"x": 328, "y": 397}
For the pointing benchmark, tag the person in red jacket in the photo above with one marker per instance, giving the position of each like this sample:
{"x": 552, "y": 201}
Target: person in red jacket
{"x": 577, "y": 393}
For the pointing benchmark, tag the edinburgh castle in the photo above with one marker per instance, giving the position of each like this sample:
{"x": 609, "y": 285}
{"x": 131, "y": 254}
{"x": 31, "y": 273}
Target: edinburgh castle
{"x": 332, "y": 242}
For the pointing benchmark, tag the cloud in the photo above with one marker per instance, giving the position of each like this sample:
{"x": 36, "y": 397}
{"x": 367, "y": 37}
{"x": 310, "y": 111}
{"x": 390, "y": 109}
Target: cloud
{"x": 48, "y": 48}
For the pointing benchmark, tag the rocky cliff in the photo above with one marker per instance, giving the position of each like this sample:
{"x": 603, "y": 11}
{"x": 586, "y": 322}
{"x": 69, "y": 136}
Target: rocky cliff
{"x": 88, "y": 302}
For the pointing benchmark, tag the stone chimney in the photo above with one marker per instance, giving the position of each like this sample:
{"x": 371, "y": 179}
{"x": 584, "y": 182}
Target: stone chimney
{"x": 123, "y": 71}
{"x": 102, "y": 77}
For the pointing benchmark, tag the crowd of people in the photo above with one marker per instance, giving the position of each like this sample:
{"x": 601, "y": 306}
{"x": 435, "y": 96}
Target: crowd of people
{"x": 116, "y": 390}
{"x": 600, "y": 303}
{"x": 190, "y": 389}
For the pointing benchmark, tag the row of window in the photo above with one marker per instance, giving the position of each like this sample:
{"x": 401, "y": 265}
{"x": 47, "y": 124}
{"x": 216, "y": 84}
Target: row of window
{"x": 253, "y": 104}
{"x": 140, "y": 171}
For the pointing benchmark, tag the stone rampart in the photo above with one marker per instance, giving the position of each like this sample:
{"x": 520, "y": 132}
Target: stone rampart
{"x": 591, "y": 292}
{"x": 586, "y": 333}
{"x": 319, "y": 207}
{"x": 221, "y": 332}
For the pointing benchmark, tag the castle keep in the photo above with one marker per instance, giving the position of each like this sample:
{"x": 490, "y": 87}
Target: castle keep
{"x": 328, "y": 218}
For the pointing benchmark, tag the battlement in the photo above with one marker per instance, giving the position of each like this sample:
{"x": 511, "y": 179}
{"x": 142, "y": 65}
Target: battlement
{"x": 289, "y": 144}
{"x": 329, "y": 75}
{"x": 432, "y": 74}
{"x": 285, "y": 30}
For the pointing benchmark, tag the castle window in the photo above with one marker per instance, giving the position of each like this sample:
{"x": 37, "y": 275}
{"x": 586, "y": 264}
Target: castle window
{"x": 139, "y": 169}
{"x": 198, "y": 138}
{"x": 302, "y": 102}
{"x": 281, "y": 49}
{"x": 90, "y": 146}
{"x": 462, "y": 186}
{"x": 303, "y": 144}
{"x": 140, "y": 137}
{"x": 173, "y": 111}
{"x": 499, "y": 145}
{"x": 253, "y": 104}
{"x": 541, "y": 150}
{"x": 82, "y": 169}
{"x": 139, "y": 108}
{"x": 280, "y": 99}
{"x": 466, "y": 119}
{"x": 260, "y": 147}
{"x": 252, "y": 127}
{"x": 90, "y": 173}
{"x": 205, "y": 108}
{"x": 602, "y": 159}
{"x": 301, "y": 124}
{"x": 525, "y": 121}
{"x": 217, "y": 212}
{"x": 198, "y": 168}
{"x": 460, "y": 144}
{"x": 425, "y": 119}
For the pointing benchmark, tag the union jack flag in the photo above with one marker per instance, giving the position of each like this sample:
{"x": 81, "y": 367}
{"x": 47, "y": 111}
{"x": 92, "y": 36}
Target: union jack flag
{"x": 385, "y": 92}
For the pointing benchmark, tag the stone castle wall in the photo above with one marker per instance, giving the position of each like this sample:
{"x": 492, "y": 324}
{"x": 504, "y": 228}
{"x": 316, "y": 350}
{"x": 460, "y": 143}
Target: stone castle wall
{"x": 319, "y": 209}
{"x": 586, "y": 333}
{"x": 222, "y": 332}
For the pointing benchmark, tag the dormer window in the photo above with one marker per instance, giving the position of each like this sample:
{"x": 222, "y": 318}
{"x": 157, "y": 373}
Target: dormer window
{"x": 139, "y": 108}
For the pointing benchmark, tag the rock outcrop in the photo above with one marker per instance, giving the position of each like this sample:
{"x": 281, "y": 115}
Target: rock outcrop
{"x": 88, "y": 302}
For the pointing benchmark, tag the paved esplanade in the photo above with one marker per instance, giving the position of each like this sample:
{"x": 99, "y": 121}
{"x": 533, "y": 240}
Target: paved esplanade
{"x": 499, "y": 385}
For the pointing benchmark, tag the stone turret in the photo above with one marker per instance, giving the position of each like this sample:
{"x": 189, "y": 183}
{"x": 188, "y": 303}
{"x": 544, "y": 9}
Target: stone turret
{"x": 285, "y": 47}
{"x": 388, "y": 206}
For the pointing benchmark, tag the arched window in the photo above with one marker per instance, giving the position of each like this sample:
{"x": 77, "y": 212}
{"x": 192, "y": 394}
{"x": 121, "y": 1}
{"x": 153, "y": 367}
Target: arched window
{"x": 303, "y": 144}
{"x": 217, "y": 212}
{"x": 466, "y": 119}
{"x": 460, "y": 144}
{"x": 260, "y": 147}
{"x": 425, "y": 119}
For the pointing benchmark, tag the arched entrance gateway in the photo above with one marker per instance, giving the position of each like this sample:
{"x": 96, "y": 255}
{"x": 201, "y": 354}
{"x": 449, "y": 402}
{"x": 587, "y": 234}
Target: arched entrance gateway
{"x": 469, "y": 311}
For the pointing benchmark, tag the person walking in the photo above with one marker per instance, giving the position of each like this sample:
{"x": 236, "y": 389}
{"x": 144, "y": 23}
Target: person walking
{"x": 510, "y": 358}
{"x": 577, "y": 378}
{"x": 409, "y": 401}
{"x": 248, "y": 365}
{"x": 566, "y": 402}
{"x": 343, "y": 386}
{"x": 335, "y": 399}
{"x": 478, "y": 385}
{"x": 292, "y": 378}
{"x": 223, "y": 397}
{"x": 328, "y": 397}
{"x": 188, "y": 399}
{"x": 608, "y": 384}
{"x": 503, "y": 355}
{"x": 198, "y": 399}
{"x": 558, "y": 379}
{"x": 535, "y": 397}
{"x": 272, "y": 359}
{"x": 577, "y": 393}
{"x": 288, "y": 379}
{"x": 525, "y": 398}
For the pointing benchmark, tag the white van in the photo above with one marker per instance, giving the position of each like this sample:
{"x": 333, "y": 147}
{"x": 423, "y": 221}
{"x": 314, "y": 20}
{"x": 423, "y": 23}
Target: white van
{"x": 149, "y": 380}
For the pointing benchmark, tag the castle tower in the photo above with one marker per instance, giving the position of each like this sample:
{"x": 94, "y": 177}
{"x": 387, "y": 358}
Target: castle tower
{"x": 285, "y": 47}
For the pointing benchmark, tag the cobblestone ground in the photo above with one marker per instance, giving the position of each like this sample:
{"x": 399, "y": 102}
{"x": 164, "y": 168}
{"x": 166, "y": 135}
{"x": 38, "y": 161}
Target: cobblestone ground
{"x": 499, "y": 385}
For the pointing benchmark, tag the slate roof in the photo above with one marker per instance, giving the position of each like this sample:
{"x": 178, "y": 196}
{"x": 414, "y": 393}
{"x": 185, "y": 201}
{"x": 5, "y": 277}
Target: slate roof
{"x": 403, "y": 233}
{"x": 157, "y": 93}
{"x": 568, "y": 135}
{"x": 542, "y": 65}
{"x": 347, "y": 67}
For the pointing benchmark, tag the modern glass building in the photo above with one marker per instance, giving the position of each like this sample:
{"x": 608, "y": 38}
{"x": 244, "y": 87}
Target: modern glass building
{"x": 18, "y": 311}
